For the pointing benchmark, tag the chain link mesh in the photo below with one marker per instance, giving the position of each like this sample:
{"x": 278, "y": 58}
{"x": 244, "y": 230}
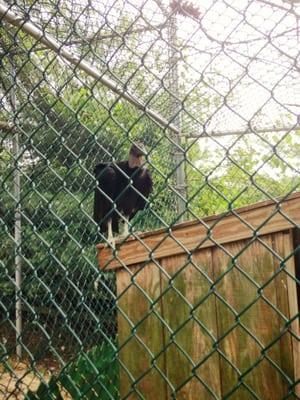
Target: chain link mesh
{"x": 212, "y": 88}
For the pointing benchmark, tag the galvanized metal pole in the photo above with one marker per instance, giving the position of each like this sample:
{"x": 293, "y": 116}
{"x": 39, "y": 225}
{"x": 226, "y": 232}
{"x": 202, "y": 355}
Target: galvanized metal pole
{"x": 178, "y": 154}
{"x": 17, "y": 227}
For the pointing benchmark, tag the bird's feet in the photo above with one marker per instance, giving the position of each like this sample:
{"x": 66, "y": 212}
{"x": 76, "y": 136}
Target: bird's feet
{"x": 111, "y": 241}
{"x": 110, "y": 237}
{"x": 125, "y": 231}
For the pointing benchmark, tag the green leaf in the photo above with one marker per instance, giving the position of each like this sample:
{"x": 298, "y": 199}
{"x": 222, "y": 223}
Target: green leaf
{"x": 94, "y": 374}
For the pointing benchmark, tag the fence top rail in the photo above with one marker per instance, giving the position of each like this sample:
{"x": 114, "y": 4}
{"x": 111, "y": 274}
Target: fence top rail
{"x": 243, "y": 223}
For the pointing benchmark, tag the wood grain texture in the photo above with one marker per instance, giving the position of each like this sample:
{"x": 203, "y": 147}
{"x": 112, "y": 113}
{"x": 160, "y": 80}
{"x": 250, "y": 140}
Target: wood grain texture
{"x": 286, "y": 290}
{"x": 188, "y": 237}
{"x": 140, "y": 334}
{"x": 296, "y": 246}
{"x": 242, "y": 325}
{"x": 256, "y": 327}
{"x": 192, "y": 327}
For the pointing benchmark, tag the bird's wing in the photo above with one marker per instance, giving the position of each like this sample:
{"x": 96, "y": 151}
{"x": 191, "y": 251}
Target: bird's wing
{"x": 144, "y": 185}
{"x": 105, "y": 190}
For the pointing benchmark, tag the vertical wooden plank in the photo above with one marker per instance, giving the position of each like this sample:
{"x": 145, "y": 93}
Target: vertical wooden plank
{"x": 296, "y": 246}
{"x": 260, "y": 321}
{"x": 286, "y": 289}
{"x": 188, "y": 343}
{"x": 140, "y": 333}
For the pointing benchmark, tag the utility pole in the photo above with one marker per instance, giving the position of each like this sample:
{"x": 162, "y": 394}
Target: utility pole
{"x": 175, "y": 107}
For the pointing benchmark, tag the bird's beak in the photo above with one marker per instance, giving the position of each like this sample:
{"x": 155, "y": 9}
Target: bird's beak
{"x": 143, "y": 150}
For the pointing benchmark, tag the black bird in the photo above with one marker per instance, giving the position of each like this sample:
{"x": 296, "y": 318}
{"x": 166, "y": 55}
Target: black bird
{"x": 127, "y": 184}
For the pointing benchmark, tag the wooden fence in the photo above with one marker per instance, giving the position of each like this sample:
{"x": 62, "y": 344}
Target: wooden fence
{"x": 210, "y": 308}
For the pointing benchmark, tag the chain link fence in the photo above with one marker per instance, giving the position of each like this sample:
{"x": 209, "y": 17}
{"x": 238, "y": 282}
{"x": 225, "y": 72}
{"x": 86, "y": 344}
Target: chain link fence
{"x": 212, "y": 88}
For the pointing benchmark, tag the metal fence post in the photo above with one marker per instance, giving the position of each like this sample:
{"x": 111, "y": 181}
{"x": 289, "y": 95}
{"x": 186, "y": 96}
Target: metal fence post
{"x": 17, "y": 219}
{"x": 178, "y": 154}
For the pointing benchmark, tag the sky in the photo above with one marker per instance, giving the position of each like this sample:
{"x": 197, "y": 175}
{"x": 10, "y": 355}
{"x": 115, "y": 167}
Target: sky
{"x": 244, "y": 53}
{"x": 241, "y": 55}
{"x": 238, "y": 64}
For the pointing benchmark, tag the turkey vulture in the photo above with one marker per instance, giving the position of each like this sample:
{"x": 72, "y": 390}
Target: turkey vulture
{"x": 127, "y": 184}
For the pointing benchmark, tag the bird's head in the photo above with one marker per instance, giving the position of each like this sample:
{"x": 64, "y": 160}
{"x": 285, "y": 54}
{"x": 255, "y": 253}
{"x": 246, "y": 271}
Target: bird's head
{"x": 137, "y": 154}
{"x": 138, "y": 149}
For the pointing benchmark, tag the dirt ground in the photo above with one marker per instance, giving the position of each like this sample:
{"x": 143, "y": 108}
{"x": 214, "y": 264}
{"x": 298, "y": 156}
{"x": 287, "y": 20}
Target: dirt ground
{"x": 14, "y": 385}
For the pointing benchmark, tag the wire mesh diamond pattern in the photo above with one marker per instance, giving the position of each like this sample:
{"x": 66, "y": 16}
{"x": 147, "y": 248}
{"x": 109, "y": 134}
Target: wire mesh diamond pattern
{"x": 199, "y": 298}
